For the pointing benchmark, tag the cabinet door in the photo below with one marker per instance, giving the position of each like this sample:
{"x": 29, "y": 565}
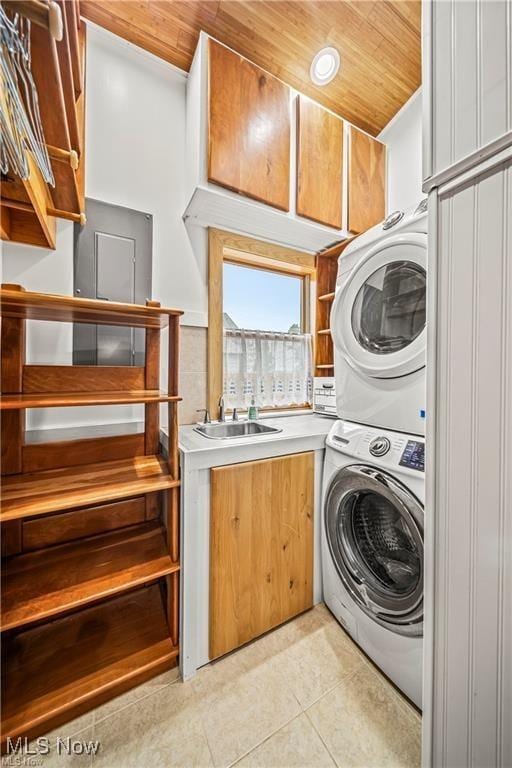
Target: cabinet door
{"x": 249, "y": 128}
{"x": 319, "y": 163}
{"x": 261, "y": 547}
{"x": 366, "y": 181}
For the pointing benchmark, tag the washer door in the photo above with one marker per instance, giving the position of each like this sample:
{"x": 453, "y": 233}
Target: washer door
{"x": 374, "y": 529}
{"x": 378, "y": 317}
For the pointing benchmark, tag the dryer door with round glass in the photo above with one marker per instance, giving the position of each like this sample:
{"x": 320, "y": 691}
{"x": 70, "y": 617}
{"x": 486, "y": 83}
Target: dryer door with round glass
{"x": 374, "y": 528}
{"x": 378, "y": 316}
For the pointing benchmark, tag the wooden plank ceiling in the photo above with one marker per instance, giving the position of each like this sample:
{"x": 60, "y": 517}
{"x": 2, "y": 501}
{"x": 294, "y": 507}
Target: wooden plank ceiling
{"x": 379, "y": 43}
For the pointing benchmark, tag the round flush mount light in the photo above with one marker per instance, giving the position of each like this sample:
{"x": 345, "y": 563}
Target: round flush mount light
{"x": 325, "y": 66}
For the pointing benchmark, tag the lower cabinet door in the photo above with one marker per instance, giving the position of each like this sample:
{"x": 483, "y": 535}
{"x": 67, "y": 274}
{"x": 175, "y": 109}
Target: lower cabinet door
{"x": 261, "y": 547}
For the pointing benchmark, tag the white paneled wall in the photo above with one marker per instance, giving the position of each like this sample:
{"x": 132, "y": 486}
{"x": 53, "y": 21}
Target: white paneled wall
{"x": 467, "y": 49}
{"x": 472, "y": 500}
{"x": 468, "y": 78}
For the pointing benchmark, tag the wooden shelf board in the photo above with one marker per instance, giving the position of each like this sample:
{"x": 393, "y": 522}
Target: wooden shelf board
{"x": 50, "y": 400}
{"x": 45, "y": 583}
{"x": 324, "y": 332}
{"x": 335, "y": 250}
{"x": 40, "y": 493}
{"x": 327, "y": 296}
{"x": 54, "y": 672}
{"x": 324, "y": 366}
{"x": 29, "y": 305}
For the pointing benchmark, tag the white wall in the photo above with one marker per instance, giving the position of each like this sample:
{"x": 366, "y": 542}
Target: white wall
{"x": 403, "y": 136}
{"x": 135, "y": 157}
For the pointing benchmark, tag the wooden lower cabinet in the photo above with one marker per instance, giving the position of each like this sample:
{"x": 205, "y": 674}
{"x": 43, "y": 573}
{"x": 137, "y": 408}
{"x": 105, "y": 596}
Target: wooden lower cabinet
{"x": 261, "y": 547}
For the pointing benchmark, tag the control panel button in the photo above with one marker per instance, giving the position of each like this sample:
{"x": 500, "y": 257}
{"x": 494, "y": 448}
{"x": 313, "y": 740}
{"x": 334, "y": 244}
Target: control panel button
{"x": 392, "y": 219}
{"x": 379, "y": 446}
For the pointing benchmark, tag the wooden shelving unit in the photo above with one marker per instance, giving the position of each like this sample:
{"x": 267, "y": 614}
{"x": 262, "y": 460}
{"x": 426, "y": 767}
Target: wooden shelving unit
{"x": 44, "y": 583}
{"x": 63, "y": 399}
{"x": 29, "y": 207}
{"x": 90, "y": 527}
{"x": 38, "y": 493}
{"x": 57, "y": 671}
{"x": 326, "y": 271}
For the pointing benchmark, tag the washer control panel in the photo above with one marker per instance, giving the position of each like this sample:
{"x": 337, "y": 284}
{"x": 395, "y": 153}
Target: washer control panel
{"x": 413, "y": 455}
{"x": 379, "y": 446}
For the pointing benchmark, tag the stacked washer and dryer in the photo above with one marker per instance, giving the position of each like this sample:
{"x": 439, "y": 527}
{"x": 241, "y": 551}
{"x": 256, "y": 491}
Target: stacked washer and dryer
{"x": 374, "y": 489}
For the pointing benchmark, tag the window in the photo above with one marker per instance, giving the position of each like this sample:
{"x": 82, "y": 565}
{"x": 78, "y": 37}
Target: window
{"x": 259, "y": 299}
{"x": 266, "y": 351}
{"x": 259, "y": 342}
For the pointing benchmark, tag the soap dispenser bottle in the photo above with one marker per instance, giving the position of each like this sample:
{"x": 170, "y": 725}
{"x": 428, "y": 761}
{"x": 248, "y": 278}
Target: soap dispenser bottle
{"x": 253, "y": 410}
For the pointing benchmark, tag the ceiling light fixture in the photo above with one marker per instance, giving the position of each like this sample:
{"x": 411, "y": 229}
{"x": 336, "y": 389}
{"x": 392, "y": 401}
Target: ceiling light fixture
{"x": 325, "y": 66}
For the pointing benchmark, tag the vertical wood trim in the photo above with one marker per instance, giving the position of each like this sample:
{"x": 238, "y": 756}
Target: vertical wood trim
{"x": 12, "y": 422}
{"x": 173, "y": 540}
{"x": 215, "y": 324}
{"x": 305, "y": 308}
{"x": 173, "y": 497}
{"x": 173, "y": 385}
{"x": 152, "y": 381}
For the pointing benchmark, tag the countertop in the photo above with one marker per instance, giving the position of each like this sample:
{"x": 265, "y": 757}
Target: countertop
{"x": 299, "y": 433}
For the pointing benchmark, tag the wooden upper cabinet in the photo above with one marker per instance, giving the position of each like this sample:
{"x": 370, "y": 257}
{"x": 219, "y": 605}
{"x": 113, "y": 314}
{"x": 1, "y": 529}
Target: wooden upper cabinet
{"x": 319, "y": 163}
{"x": 249, "y": 128}
{"x": 366, "y": 181}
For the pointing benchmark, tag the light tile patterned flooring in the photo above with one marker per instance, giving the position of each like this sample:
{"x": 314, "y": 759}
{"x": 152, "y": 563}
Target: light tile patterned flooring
{"x": 302, "y": 696}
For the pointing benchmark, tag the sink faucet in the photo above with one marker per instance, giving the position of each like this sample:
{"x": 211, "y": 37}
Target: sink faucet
{"x": 235, "y": 415}
{"x": 222, "y": 416}
{"x": 207, "y": 419}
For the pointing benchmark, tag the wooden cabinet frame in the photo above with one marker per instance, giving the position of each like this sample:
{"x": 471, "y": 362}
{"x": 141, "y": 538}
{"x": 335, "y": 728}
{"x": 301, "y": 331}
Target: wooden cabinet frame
{"x": 232, "y": 247}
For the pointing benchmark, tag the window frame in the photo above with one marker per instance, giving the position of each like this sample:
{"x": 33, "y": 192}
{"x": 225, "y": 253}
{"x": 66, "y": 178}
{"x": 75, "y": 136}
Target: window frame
{"x": 248, "y": 252}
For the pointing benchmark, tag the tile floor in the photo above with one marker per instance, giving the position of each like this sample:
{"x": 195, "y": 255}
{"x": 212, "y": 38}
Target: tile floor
{"x": 302, "y": 696}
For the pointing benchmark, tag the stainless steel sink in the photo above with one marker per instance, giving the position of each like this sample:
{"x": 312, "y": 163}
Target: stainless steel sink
{"x": 234, "y": 429}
